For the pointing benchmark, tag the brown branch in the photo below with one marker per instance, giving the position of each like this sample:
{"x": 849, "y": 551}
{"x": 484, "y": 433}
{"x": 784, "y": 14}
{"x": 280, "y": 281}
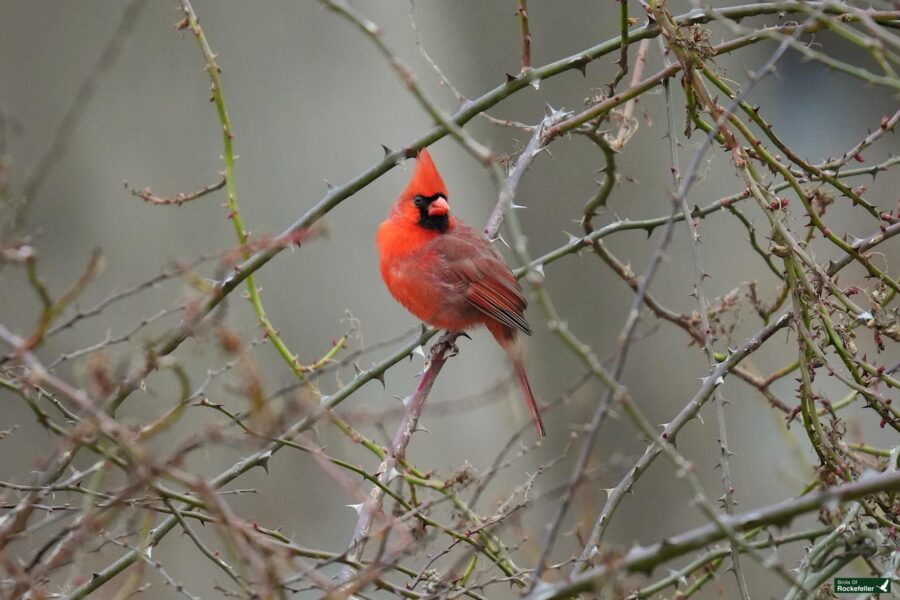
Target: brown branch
{"x": 178, "y": 199}
{"x": 522, "y": 13}
{"x": 387, "y": 470}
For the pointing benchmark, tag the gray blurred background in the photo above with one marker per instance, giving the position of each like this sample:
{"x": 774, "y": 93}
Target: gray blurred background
{"x": 311, "y": 100}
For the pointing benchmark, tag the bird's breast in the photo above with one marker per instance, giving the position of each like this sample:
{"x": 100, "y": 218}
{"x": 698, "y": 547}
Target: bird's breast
{"x": 417, "y": 276}
{"x": 413, "y": 287}
{"x": 407, "y": 268}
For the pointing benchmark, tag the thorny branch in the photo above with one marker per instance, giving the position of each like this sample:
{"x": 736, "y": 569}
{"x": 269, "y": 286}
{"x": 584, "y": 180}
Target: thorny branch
{"x": 107, "y": 493}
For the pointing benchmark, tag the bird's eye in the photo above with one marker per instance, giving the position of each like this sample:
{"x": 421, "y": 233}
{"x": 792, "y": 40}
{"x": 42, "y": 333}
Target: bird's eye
{"x": 420, "y": 201}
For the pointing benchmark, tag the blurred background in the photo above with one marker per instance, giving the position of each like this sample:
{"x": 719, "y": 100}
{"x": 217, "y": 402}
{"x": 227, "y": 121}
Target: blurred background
{"x": 311, "y": 100}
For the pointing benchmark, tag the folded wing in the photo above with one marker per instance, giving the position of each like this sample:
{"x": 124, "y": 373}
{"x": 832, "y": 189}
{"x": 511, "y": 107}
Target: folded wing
{"x": 488, "y": 284}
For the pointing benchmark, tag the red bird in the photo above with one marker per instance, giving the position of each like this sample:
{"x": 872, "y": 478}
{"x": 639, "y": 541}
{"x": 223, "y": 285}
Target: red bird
{"x": 448, "y": 274}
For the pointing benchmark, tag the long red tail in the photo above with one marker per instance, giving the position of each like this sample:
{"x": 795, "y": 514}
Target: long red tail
{"x": 529, "y": 398}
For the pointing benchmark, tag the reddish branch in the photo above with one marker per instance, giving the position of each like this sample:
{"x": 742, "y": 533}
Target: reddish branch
{"x": 178, "y": 199}
{"x": 388, "y": 469}
{"x": 522, "y": 12}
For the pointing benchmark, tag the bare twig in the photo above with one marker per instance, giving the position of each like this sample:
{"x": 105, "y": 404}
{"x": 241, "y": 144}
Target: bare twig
{"x": 178, "y": 199}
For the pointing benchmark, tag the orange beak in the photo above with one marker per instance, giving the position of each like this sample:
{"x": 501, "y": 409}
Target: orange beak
{"x": 438, "y": 208}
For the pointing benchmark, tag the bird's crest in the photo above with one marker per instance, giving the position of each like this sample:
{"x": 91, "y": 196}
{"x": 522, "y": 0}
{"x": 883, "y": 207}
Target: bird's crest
{"x": 426, "y": 181}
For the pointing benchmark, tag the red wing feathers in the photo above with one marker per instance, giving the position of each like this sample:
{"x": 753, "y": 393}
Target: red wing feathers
{"x": 489, "y": 285}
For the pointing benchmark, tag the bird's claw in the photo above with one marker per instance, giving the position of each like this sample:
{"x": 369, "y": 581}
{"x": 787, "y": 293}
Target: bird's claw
{"x": 452, "y": 348}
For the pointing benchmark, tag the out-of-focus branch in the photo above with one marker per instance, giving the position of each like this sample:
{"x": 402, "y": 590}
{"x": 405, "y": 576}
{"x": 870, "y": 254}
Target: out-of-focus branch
{"x": 481, "y": 152}
{"x": 53, "y": 308}
{"x": 644, "y": 558}
{"x": 80, "y": 102}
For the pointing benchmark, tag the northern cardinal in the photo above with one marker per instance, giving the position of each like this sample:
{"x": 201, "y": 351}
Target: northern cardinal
{"x": 448, "y": 274}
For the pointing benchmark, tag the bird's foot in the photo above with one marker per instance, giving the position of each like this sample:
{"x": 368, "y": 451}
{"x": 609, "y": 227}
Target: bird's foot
{"x": 450, "y": 342}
